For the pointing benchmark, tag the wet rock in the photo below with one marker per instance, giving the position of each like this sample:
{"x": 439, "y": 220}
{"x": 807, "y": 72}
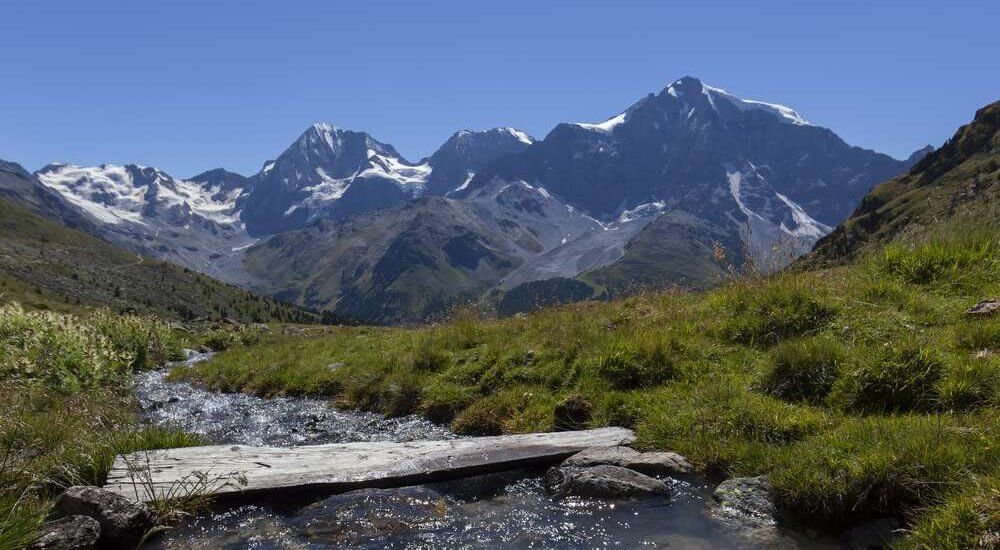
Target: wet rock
{"x": 69, "y": 533}
{"x": 123, "y": 522}
{"x": 875, "y": 534}
{"x": 985, "y": 308}
{"x": 653, "y": 464}
{"x": 372, "y": 516}
{"x": 746, "y": 500}
{"x": 602, "y": 481}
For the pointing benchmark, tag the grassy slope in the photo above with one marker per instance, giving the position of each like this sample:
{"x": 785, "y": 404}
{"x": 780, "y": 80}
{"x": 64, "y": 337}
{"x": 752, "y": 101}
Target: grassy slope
{"x": 962, "y": 179}
{"x": 46, "y": 265}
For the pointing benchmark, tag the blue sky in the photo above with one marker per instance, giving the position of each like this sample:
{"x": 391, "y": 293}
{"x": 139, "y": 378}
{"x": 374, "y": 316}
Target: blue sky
{"x": 192, "y": 85}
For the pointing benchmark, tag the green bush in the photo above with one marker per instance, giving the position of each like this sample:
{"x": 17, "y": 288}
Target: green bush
{"x": 978, "y": 335}
{"x": 643, "y": 362}
{"x": 427, "y": 355}
{"x": 514, "y": 410}
{"x": 443, "y": 400}
{"x": 70, "y": 354}
{"x": 970, "y": 383}
{"x": 623, "y": 409}
{"x": 803, "y": 370}
{"x": 771, "y": 311}
{"x": 574, "y": 412}
{"x": 895, "y": 378}
{"x": 876, "y": 466}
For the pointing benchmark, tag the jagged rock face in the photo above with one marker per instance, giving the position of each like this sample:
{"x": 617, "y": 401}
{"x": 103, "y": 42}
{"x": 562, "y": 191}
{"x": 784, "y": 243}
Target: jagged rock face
{"x": 223, "y": 182}
{"x": 329, "y": 173}
{"x": 753, "y": 167}
{"x": 467, "y": 152}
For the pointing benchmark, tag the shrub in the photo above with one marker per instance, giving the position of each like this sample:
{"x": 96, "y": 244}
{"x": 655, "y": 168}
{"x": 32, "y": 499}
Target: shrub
{"x": 400, "y": 395}
{"x": 640, "y": 363}
{"x": 877, "y": 466}
{"x": 426, "y": 355}
{"x": 896, "y": 378}
{"x": 767, "y": 314}
{"x": 803, "y": 370}
{"x": 223, "y": 339}
{"x": 978, "y": 335}
{"x": 71, "y": 354}
{"x": 969, "y": 384}
{"x": 511, "y": 411}
{"x": 443, "y": 400}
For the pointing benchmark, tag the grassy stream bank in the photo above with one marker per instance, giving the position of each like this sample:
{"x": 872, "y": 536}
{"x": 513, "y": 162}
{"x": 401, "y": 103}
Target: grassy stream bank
{"x": 863, "y": 391}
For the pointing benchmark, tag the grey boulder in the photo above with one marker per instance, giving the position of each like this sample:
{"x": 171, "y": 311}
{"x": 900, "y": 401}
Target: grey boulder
{"x": 123, "y": 522}
{"x": 747, "y": 500}
{"x": 602, "y": 481}
{"x": 653, "y": 464}
{"x": 69, "y": 533}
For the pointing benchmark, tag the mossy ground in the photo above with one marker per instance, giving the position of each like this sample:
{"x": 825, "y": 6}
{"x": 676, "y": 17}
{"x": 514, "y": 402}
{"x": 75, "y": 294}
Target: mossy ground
{"x": 862, "y": 391}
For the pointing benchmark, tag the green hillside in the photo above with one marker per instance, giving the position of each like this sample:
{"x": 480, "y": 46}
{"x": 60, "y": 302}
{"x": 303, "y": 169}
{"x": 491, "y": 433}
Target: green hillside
{"x": 961, "y": 180}
{"x": 46, "y": 265}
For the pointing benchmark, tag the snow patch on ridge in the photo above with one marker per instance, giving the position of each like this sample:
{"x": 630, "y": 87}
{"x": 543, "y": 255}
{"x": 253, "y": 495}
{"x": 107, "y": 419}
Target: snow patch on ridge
{"x": 606, "y": 126}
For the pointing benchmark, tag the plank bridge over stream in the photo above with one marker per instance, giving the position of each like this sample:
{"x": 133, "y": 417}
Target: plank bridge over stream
{"x": 238, "y": 470}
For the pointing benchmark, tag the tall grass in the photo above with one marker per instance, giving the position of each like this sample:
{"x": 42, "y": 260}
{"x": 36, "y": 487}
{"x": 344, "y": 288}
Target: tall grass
{"x": 66, "y": 409}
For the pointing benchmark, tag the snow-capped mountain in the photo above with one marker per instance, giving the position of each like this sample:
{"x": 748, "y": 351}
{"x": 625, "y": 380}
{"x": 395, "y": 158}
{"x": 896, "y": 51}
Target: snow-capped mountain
{"x": 758, "y": 169}
{"x": 195, "y": 224}
{"x": 331, "y": 173}
{"x": 645, "y": 197}
{"x": 467, "y": 152}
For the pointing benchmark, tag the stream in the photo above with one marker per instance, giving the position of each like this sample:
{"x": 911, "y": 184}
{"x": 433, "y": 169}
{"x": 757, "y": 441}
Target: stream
{"x": 506, "y": 510}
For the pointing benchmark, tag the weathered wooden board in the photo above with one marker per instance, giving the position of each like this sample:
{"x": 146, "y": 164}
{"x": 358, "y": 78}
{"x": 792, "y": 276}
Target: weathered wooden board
{"x": 147, "y": 475}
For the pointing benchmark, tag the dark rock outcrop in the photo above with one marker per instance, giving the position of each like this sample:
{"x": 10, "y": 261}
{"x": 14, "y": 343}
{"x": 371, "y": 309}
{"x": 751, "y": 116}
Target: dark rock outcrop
{"x": 69, "y": 533}
{"x": 123, "y": 523}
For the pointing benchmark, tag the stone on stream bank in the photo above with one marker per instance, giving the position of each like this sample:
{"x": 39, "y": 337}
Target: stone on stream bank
{"x": 602, "y": 481}
{"x": 122, "y": 522}
{"x": 614, "y": 472}
{"x": 69, "y": 533}
{"x": 747, "y": 501}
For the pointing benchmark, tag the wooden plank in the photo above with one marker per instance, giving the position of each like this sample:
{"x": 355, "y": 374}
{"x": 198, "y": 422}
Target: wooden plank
{"x": 147, "y": 475}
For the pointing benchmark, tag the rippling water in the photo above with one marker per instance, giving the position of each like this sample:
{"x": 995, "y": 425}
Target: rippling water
{"x": 508, "y": 510}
